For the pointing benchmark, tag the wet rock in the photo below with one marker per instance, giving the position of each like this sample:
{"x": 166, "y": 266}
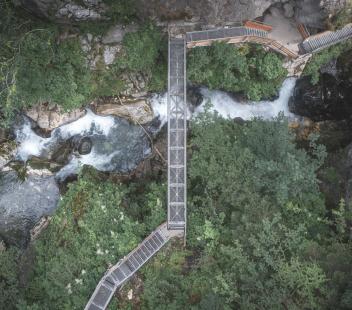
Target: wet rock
{"x": 84, "y": 146}
{"x": 194, "y": 95}
{"x": 23, "y": 204}
{"x": 59, "y": 153}
{"x": 328, "y": 100}
{"x": 335, "y": 134}
{"x": 51, "y": 116}
{"x": 137, "y": 111}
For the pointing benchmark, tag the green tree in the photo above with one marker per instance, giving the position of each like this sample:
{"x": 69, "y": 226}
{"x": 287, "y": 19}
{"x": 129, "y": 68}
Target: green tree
{"x": 249, "y": 69}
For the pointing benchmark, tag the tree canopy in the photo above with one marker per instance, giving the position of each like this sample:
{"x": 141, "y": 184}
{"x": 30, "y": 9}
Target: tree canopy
{"x": 248, "y": 69}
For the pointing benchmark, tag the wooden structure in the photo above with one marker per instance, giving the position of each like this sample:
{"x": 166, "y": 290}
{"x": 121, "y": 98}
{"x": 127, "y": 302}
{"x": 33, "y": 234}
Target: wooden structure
{"x": 258, "y": 25}
{"x": 236, "y": 35}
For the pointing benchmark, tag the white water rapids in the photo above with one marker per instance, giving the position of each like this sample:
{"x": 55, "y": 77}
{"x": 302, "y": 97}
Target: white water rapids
{"x": 116, "y": 141}
{"x": 228, "y": 107}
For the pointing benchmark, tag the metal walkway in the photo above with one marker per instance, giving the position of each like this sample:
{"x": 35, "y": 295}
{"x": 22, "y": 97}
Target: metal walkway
{"x": 177, "y": 123}
{"x": 116, "y": 276}
{"x": 223, "y": 33}
{"x": 326, "y": 39}
{"x": 236, "y": 35}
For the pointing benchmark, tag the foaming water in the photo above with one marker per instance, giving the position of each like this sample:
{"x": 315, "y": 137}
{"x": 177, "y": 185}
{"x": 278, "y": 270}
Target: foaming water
{"x": 117, "y": 145}
{"x": 228, "y": 107}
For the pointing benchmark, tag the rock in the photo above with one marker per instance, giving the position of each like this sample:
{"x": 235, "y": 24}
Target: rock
{"x": 2, "y": 246}
{"x": 77, "y": 13}
{"x": 3, "y": 135}
{"x": 310, "y": 13}
{"x": 84, "y": 146}
{"x": 137, "y": 111}
{"x": 110, "y": 54}
{"x": 205, "y": 12}
{"x": 23, "y": 204}
{"x": 89, "y": 37}
{"x": 114, "y": 35}
{"x": 48, "y": 117}
{"x": 334, "y": 134}
{"x": 288, "y": 10}
{"x": 59, "y": 152}
{"x": 194, "y": 96}
{"x": 328, "y": 100}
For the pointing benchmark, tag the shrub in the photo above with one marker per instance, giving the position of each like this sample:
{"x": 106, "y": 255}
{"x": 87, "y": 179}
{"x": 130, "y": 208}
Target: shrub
{"x": 249, "y": 69}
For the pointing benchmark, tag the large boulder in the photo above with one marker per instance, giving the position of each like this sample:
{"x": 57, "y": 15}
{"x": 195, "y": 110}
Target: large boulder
{"x": 328, "y": 100}
{"x": 24, "y": 203}
{"x": 137, "y": 111}
{"x": 50, "y": 117}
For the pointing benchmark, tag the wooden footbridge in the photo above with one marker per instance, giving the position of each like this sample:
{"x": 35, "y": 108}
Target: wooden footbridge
{"x": 119, "y": 274}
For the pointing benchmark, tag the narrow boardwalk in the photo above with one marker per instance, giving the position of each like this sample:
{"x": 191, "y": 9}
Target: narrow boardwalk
{"x": 236, "y": 35}
{"x": 326, "y": 39}
{"x": 116, "y": 276}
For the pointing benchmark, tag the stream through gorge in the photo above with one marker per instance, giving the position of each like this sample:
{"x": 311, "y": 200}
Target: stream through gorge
{"x": 111, "y": 144}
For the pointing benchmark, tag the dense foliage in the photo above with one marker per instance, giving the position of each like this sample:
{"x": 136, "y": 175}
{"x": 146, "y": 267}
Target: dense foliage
{"x": 248, "y": 69}
{"x": 36, "y": 66}
{"x": 145, "y": 51}
{"x": 323, "y": 57}
{"x": 258, "y": 232}
{"x": 96, "y": 225}
{"x": 258, "y": 236}
{"x": 42, "y": 62}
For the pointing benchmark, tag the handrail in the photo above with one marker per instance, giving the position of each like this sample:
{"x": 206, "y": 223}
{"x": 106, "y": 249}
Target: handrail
{"x": 275, "y": 45}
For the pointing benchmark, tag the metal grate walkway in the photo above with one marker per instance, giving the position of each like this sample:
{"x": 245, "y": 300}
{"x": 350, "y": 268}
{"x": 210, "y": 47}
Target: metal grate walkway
{"x": 177, "y": 122}
{"x": 223, "y": 33}
{"x": 125, "y": 268}
{"x": 323, "y": 40}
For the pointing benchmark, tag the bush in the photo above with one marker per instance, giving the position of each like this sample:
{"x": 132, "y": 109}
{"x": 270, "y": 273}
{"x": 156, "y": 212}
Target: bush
{"x": 145, "y": 51}
{"x": 249, "y": 69}
{"x": 36, "y": 67}
{"x": 322, "y": 58}
{"x": 93, "y": 228}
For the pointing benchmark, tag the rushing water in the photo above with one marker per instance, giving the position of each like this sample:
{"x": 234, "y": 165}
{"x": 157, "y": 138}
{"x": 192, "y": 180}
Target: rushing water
{"x": 117, "y": 145}
{"x": 228, "y": 107}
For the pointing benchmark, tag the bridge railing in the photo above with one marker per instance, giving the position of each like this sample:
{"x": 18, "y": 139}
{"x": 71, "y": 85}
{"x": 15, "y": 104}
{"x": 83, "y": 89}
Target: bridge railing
{"x": 316, "y": 43}
{"x": 116, "y": 276}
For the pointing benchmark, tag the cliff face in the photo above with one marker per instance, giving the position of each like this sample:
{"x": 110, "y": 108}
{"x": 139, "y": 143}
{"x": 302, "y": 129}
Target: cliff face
{"x": 205, "y": 11}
